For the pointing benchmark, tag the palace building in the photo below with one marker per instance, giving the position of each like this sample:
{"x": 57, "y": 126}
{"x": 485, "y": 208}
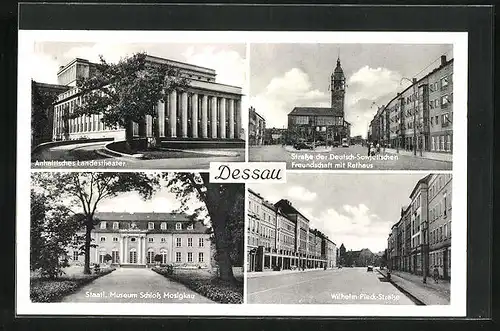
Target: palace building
{"x": 207, "y": 110}
{"x": 144, "y": 239}
{"x": 325, "y": 124}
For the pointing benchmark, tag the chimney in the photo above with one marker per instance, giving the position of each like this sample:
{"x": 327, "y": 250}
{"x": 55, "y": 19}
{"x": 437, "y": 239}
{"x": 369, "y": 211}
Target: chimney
{"x": 443, "y": 60}
{"x": 414, "y": 81}
{"x": 61, "y": 67}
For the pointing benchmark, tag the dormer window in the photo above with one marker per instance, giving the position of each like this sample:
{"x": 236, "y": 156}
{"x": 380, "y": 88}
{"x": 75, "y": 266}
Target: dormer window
{"x": 151, "y": 225}
{"x": 190, "y": 227}
{"x": 103, "y": 225}
{"x": 163, "y": 225}
{"x": 115, "y": 226}
{"x": 178, "y": 226}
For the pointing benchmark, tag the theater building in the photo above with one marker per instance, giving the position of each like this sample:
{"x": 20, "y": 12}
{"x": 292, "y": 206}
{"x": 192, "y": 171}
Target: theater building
{"x": 326, "y": 124}
{"x": 206, "y": 110}
{"x": 145, "y": 239}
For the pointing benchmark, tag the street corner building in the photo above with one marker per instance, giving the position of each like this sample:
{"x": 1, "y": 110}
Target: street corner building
{"x": 280, "y": 238}
{"x": 420, "y": 241}
{"x": 256, "y": 127}
{"x": 146, "y": 239}
{"x": 421, "y": 117}
{"x": 207, "y": 113}
{"x": 326, "y": 124}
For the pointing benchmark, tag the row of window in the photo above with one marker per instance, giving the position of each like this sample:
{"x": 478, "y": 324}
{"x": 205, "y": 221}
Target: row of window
{"x": 437, "y": 260}
{"x": 151, "y": 226}
{"x": 441, "y": 233}
{"x": 440, "y": 209}
{"x": 150, "y": 256}
{"x": 439, "y": 182}
{"x": 442, "y": 143}
{"x": 178, "y": 242}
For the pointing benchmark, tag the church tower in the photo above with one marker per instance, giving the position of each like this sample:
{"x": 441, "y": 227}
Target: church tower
{"x": 337, "y": 87}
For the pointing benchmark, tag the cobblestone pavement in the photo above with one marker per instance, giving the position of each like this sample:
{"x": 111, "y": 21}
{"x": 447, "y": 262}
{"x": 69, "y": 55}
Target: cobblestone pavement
{"x": 140, "y": 285}
{"x": 346, "y": 158}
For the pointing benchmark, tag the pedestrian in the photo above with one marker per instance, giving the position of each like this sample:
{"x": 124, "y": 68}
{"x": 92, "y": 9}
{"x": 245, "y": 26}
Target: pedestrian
{"x": 369, "y": 145}
{"x": 378, "y": 148}
{"x": 436, "y": 275}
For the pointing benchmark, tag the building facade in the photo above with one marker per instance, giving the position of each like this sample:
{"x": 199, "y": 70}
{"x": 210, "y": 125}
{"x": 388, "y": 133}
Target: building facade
{"x": 256, "y": 127}
{"x": 274, "y": 136}
{"x": 326, "y": 124}
{"x": 420, "y": 118}
{"x": 205, "y": 110}
{"x": 421, "y": 240}
{"x": 146, "y": 239}
{"x": 279, "y": 237}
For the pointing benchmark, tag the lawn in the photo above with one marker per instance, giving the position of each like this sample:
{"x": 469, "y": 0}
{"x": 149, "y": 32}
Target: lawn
{"x": 53, "y": 290}
{"x": 208, "y": 284}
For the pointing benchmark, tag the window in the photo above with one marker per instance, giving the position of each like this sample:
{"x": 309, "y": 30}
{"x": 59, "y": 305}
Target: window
{"x": 163, "y": 240}
{"x": 132, "y": 239}
{"x": 103, "y": 225}
{"x": 103, "y": 239}
{"x": 444, "y": 82}
{"x": 163, "y": 256}
{"x": 445, "y": 232}
{"x": 151, "y": 226}
{"x": 433, "y": 143}
{"x": 132, "y": 256}
{"x": 200, "y": 257}
{"x": 178, "y": 226}
{"x": 200, "y": 242}
{"x": 163, "y": 225}
{"x": 150, "y": 240}
{"x": 437, "y": 120}
{"x": 190, "y": 257}
{"x": 75, "y": 255}
{"x": 115, "y": 256}
{"x": 150, "y": 258}
{"x": 190, "y": 227}
{"x": 178, "y": 257}
{"x": 442, "y": 142}
{"x": 178, "y": 242}
{"x": 115, "y": 225}
{"x": 190, "y": 242}
{"x": 444, "y": 204}
{"x": 115, "y": 239}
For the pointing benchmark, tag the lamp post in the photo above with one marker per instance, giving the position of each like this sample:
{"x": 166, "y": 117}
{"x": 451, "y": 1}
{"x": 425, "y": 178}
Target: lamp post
{"x": 413, "y": 81}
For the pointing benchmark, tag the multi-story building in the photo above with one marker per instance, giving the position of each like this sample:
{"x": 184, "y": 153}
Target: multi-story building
{"x": 421, "y": 239}
{"x": 145, "y": 239}
{"x": 420, "y": 118}
{"x": 325, "y": 124}
{"x": 279, "y": 238}
{"x": 204, "y": 110}
{"x": 273, "y": 136}
{"x": 440, "y": 208}
{"x": 256, "y": 127}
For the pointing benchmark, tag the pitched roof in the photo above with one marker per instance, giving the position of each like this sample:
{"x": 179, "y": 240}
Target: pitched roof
{"x": 316, "y": 111}
{"x": 124, "y": 216}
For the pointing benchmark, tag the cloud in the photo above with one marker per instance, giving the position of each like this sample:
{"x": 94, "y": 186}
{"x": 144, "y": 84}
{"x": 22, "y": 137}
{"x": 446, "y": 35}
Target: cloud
{"x": 229, "y": 65}
{"x": 355, "y": 226}
{"x": 365, "y": 86}
{"x": 300, "y": 193}
{"x": 110, "y": 51}
{"x": 43, "y": 68}
{"x": 283, "y": 93}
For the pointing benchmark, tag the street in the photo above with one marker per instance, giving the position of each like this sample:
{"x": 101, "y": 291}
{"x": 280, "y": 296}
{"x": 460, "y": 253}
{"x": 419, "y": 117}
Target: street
{"x": 92, "y": 155}
{"x": 341, "y": 158}
{"x": 336, "y": 286}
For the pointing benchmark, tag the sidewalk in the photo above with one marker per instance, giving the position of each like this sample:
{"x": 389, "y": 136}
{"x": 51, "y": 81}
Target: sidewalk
{"x": 255, "y": 274}
{"x": 428, "y": 294}
{"x": 446, "y": 157}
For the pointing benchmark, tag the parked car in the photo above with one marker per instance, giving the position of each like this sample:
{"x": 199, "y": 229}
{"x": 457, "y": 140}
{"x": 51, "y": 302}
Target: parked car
{"x": 369, "y": 268}
{"x": 303, "y": 145}
{"x": 335, "y": 144}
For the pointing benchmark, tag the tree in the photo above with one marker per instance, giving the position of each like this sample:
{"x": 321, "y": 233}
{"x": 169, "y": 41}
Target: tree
{"x": 52, "y": 230}
{"x": 81, "y": 192}
{"x": 383, "y": 261}
{"x": 224, "y": 205}
{"x": 41, "y": 101}
{"x": 127, "y": 91}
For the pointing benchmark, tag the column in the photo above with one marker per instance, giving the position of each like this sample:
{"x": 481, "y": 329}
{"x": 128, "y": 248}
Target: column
{"x": 237, "y": 109}
{"x": 125, "y": 250}
{"x": 222, "y": 123}
{"x": 231, "y": 118}
{"x": 121, "y": 250}
{"x": 184, "y": 118}
{"x": 194, "y": 118}
{"x": 149, "y": 126}
{"x": 204, "y": 116}
{"x": 139, "y": 250}
{"x": 213, "y": 125}
{"x": 173, "y": 114}
{"x": 96, "y": 253}
{"x": 161, "y": 118}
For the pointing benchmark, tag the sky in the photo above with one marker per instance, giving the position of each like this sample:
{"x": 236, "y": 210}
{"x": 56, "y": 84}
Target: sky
{"x": 228, "y": 60}
{"x": 357, "y": 210}
{"x": 284, "y": 76}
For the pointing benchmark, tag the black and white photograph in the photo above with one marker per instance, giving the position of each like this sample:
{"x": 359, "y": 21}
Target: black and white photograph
{"x": 106, "y": 237}
{"x": 350, "y": 239}
{"x": 114, "y": 105}
{"x": 352, "y": 106}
